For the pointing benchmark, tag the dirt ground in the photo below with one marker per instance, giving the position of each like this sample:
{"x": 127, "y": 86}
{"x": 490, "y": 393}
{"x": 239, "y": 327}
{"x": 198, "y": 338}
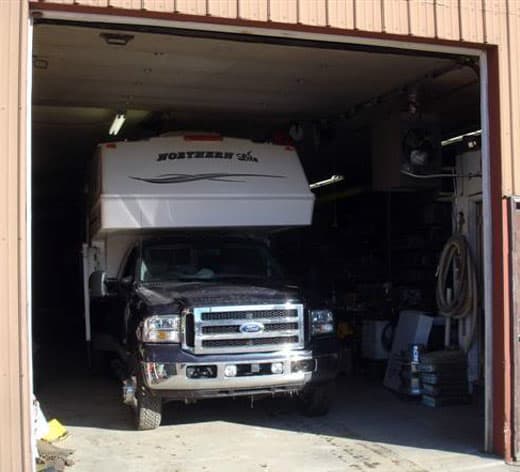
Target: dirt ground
{"x": 368, "y": 430}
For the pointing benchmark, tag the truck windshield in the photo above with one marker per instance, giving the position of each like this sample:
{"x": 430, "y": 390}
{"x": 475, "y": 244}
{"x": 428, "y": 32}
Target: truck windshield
{"x": 207, "y": 262}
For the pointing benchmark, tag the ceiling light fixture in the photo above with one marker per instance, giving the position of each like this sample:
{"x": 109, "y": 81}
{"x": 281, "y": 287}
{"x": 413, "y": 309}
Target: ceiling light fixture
{"x": 116, "y": 125}
{"x": 331, "y": 180}
{"x": 116, "y": 39}
{"x": 458, "y": 139}
{"x": 40, "y": 63}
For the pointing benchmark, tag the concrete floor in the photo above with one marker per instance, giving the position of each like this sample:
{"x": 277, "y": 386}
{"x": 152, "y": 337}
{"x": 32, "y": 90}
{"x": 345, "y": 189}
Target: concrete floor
{"x": 369, "y": 429}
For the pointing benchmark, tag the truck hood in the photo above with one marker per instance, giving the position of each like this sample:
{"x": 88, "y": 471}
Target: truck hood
{"x": 215, "y": 293}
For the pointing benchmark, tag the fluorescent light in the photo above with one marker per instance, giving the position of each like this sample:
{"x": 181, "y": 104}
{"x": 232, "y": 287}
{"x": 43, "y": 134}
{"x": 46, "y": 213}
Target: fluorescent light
{"x": 119, "y": 119}
{"x": 331, "y": 180}
{"x": 458, "y": 139}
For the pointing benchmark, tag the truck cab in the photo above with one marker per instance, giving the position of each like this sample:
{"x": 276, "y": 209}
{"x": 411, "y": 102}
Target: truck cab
{"x": 207, "y": 316}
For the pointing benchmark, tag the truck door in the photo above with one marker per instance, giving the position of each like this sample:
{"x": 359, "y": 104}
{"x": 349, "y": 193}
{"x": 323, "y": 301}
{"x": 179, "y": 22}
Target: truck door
{"x": 126, "y": 284}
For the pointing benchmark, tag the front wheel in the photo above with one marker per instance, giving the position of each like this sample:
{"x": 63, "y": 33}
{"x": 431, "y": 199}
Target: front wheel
{"x": 148, "y": 412}
{"x": 316, "y": 401}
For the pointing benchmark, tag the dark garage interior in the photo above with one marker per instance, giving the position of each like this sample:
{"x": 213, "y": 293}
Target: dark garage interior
{"x": 372, "y": 250}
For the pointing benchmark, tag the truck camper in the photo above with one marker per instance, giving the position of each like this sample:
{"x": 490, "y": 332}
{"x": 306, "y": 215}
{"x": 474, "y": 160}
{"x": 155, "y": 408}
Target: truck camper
{"x": 181, "y": 289}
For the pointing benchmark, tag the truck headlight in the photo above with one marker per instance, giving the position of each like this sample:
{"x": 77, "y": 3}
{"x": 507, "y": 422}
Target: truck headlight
{"x": 162, "y": 329}
{"x": 322, "y": 322}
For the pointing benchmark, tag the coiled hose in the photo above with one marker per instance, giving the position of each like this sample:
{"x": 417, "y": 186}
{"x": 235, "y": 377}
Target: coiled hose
{"x": 456, "y": 264}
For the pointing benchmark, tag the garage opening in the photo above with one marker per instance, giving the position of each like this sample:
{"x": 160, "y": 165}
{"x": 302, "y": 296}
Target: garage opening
{"x": 389, "y": 141}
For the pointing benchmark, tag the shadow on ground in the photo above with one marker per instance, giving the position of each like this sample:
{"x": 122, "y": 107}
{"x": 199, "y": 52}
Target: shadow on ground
{"x": 363, "y": 410}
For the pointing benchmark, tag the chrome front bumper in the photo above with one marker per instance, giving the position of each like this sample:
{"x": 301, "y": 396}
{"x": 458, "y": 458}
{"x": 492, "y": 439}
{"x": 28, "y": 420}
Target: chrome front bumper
{"x": 298, "y": 369}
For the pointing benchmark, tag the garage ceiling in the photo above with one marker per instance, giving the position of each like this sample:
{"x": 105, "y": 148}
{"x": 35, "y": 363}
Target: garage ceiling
{"x": 194, "y": 77}
{"x": 167, "y": 82}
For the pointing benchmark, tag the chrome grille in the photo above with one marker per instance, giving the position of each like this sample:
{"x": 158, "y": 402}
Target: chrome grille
{"x": 236, "y": 328}
{"x": 224, "y": 329}
{"x": 250, "y": 342}
{"x": 251, "y": 315}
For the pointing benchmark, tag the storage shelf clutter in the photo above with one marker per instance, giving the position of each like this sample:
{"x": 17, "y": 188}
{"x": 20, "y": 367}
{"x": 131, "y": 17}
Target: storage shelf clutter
{"x": 444, "y": 378}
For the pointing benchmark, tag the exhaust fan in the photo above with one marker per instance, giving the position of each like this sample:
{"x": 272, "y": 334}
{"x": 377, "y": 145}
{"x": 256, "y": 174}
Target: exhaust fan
{"x": 418, "y": 151}
{"x": 404, "y": 145}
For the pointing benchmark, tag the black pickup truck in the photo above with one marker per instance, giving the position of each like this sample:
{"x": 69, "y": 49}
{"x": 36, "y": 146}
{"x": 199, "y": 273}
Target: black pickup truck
{"x": 213, "y": 316}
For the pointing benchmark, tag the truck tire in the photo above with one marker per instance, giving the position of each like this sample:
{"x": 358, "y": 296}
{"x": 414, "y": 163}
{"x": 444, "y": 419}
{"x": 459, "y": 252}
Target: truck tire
{"x": 148, "y": 412}
{"x": 316, "y": 401}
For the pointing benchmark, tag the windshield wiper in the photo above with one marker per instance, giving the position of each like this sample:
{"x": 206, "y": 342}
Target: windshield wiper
{"x": 242, "y": 276}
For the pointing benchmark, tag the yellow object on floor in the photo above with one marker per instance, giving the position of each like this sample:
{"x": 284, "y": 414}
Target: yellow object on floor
{"x": 56, "y": 431}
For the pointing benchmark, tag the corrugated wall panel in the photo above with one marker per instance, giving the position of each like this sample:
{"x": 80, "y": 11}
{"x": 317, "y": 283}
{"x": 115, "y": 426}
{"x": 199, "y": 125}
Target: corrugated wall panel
{"x": 496, "y": 33}
{"x": 472, "y": 20}
{"x": 396, "y": 16}
{"x": 223, "y": 8}
{"x": 14, "y": 339}
{"x": 341, "y": 14}
{"x": 313, "y": 12}
{"x": 283, "y": 11}
{"x": 422, "y": 18}
{"x": 191, "y": 7}
{"x": 91, "y": 3}
{"x": 70, "y": 2}
{"x": 126, "y": 4}
{"x": 368, "y": 15}
{"x": 514, "y": 85}
{"x": 159, "y": 5}
{"x": 447, "y": 21}
{"x": 256, "y": 10}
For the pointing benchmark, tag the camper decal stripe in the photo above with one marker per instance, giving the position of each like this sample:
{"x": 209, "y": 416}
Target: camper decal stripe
{"x": 182, "y": 178}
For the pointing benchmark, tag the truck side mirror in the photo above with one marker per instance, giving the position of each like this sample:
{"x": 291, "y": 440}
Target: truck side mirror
{"x": 97, "y": 284}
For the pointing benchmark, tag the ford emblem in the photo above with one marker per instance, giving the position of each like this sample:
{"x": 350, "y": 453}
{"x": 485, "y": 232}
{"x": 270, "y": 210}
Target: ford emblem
{"x": 251, "y": 328}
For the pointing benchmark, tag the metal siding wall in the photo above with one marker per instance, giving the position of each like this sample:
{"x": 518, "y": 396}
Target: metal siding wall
{"x": 472, "y": 21}
{"x": 514, "y": 91}
{"x": 341, "y": 14}
{"x": 447, "y": 20}
{"x": 422, "y": 19}
{"x": 14, "y": 366}
{"x": 223, "y": 8}
{"x": 283, "y": 11}
{"x": 496, "y": 32}
{"x": 368, "y": 15}
{"x": 162, "y": 6}
{"x": 90, "y": 3}
{"x": 128, "y": 4}
{"x": 396, "y": 16}
{"x": 313, "y": 12}
{"x": 255, "y": 10}
{"x": 191, "y": 7}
